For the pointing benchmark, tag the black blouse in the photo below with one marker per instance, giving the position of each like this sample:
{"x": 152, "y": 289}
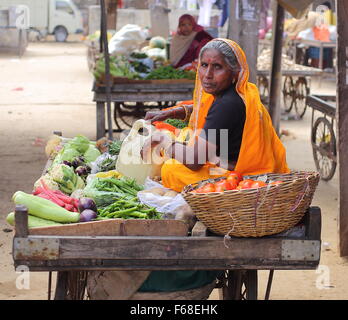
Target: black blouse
{"x": 227, "y": 112}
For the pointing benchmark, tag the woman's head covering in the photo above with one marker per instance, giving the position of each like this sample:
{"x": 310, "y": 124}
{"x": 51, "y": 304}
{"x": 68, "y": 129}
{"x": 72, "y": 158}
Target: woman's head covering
{"x": 261, "y": 150}
{"x": 196, "y": 26}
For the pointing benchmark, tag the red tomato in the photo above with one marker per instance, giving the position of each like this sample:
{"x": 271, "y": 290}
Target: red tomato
{"x": 245, "y": 184}
{"x": 220, "y": 188}
{"x": 222, "y": 184}
{"x": 236, "y": 175}
{"x": 209, "y": 187}
{"x": 199, "y": 190}
{"x": 276, "y": 182}
{"x": 258, "y": 184}
{"x": 233, "y": 183}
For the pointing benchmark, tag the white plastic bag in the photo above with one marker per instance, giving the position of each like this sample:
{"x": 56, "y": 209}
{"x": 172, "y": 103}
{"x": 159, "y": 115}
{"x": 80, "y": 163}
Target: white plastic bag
{"x": 127, "y": 39}
{"x": 171, "y": 207}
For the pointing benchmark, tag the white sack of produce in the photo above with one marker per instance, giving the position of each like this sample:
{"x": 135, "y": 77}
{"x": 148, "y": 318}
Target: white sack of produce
{"x": 167, "y": 201}
{"x": 129, "y": 161}
{"x": 127, "y": 39}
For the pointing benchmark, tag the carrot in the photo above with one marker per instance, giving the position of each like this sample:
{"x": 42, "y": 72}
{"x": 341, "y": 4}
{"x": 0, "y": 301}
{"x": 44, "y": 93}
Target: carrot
{"x": 76, "y": 203}
{"x": 160, "y": 125}
{"x": 65, "y": 198}
{"x": 43, "y": 195}
{"x": 69, "y": 207}
{"x": 38, "y": 190}
{"x": 51, "y": 194}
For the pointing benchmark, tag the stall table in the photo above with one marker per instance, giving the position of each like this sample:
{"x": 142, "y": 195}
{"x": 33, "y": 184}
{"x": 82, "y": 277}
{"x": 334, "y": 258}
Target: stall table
{"x": 296, "y": 87}
{"x": 130, "y": 98}
{"x": 317, "y": 44}
{"x": 73, "y": 256}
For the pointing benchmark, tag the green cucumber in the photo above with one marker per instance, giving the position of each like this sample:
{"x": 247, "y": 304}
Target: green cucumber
{"x": 43, "y": 208}
{"x": 33, "y": 222}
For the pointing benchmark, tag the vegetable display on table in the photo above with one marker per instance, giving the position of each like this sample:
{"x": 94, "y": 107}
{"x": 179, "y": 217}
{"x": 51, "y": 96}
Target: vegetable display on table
{"x": 69, "y": 192}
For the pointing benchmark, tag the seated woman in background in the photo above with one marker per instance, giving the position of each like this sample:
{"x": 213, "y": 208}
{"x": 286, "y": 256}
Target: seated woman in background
{"x": 187, "y": 42}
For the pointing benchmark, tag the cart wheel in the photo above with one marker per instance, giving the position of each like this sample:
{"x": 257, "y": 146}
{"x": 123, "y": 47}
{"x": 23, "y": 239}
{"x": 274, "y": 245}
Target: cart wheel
{"x": 262, "y": 84}
{"x": 240, "y": 285}
{"x": 301, "y": 92}
{"x": 324, "y": 148}
{"x": 128, "y": 112}
{"x": 288, "y": 93}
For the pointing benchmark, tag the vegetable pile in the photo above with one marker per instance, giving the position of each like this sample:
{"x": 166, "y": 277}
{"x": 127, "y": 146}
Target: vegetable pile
{"x": 128, "y": 208}
{"x": 69, "y": 192}
{"x": 169, "y": 72}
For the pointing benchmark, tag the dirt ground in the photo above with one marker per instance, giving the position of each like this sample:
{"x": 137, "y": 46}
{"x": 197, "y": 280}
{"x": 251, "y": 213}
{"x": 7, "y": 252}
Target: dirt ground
{"x": 49, "y": 89}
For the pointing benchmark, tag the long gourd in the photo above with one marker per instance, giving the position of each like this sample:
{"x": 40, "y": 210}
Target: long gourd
{"x": 33, "y": 221}
{"x": 45, "y": 209}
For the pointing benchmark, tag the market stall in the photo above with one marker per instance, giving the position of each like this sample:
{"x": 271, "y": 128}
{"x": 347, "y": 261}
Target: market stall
{"x": 133, "y": 99}
{"x": 59, "y": 229}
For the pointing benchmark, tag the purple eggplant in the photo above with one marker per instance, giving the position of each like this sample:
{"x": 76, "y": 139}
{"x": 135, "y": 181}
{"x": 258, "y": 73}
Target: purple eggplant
{"x": 87, "y": 215}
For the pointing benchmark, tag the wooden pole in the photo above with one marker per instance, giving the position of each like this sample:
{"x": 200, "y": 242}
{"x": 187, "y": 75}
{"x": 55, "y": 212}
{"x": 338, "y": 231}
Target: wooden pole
{"x": 342, "y": 122}
{"x": 111, "y": 14}
{"x": 243, "y": 28}
{"x": 276, "y": 62}
{"x": 105, "y": 46}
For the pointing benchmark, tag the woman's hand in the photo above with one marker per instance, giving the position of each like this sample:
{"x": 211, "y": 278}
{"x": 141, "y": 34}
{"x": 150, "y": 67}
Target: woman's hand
{"x": 158, "y": 115}
{"x": 158, "y": 140}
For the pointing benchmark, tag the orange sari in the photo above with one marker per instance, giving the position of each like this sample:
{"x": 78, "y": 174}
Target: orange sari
{"x": 261, "y": 150}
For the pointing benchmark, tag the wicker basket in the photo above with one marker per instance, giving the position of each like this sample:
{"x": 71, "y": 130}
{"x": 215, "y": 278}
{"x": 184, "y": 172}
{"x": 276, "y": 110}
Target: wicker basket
{"x": 255, "y": 212}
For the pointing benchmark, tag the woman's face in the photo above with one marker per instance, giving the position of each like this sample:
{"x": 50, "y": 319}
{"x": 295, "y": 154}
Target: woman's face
{"x": 214, "y": 72}
{"x": 185, "y": 27}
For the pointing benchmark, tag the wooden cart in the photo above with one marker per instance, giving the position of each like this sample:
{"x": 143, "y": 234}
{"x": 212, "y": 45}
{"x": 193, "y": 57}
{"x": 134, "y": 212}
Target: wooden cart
{"x": 323, "y": 137}
{"x": 132, "y": 98}
{"x": 72, "y": 256}
{"x": 296, "y": 87}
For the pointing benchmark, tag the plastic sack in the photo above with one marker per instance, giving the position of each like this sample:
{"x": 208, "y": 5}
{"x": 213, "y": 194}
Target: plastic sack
{"x": 104, "y": 162}
{"x": 171, "y": 207}
{"x": 127, "y": 39}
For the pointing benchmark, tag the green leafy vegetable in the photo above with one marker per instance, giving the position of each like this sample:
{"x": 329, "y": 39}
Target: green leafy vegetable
{"x": 115, "y": 147}
{"x": 177, "y": 123}
{"x": 169, "y": 72}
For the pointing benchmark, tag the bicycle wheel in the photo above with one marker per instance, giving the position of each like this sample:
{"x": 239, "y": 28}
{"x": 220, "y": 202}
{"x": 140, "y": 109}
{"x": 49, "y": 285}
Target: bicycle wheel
{"x": 324, "y": 148}
{"x": 301, "y": 92}
{"x": 288, "y": 93}
{"x": 262, "y": 84}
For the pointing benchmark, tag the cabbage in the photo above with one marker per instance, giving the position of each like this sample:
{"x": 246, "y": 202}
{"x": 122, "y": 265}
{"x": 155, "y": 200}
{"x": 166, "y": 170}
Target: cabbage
{"x": 79, "y": 143}
{"x": 68, "y": 154}
{"x": 91, "y": 154}
{"x": 157, "y": 42}
{"x": 157, "y": 54}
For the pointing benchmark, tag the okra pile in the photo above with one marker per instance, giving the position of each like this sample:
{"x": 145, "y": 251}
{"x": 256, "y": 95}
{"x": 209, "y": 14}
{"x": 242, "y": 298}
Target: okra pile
{"x": 128, "y": 209}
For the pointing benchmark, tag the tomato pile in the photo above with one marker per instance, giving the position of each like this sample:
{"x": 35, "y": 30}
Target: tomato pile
{"x": 234, "y": 181}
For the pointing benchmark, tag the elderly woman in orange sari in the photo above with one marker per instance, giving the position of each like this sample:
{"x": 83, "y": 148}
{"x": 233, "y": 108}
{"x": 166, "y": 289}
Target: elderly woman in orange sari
{"x": 231, "y": 129}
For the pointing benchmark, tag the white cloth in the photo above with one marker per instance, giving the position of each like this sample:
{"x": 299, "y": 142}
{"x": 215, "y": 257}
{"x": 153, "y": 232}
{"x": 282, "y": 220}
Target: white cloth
{"x": 179, "y": 45}
{"x": 205, "y": 7}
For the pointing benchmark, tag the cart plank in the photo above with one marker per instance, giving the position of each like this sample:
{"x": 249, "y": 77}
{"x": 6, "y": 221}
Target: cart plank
{"x": 116, "y": 227}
